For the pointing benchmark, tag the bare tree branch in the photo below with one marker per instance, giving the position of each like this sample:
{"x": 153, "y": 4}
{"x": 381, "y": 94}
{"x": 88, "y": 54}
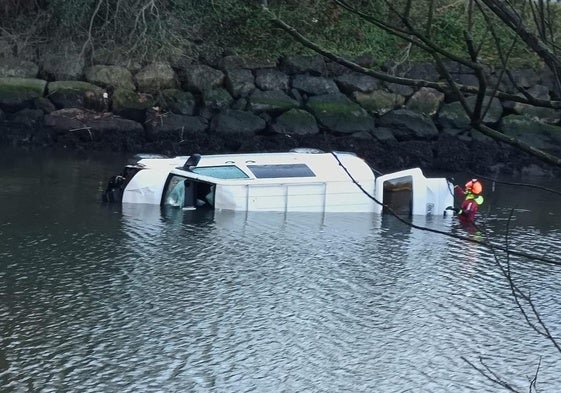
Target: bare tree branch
{"x": 491, "y": 375}
{"x": 546, "y": 157}
{"x": 411, "y": 34}
{"x": 440, "y": 86}
{"x": 514, "y": 21}
{"x": 89, "y": 41}
{"x": 534, "y": 380}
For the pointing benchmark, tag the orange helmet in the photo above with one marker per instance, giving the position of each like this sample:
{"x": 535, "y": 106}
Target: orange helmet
{"x": 474, "y": 186}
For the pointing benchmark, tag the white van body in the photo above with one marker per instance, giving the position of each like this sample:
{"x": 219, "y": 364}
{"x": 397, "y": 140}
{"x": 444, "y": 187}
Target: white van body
{"x": 295, "y": 181}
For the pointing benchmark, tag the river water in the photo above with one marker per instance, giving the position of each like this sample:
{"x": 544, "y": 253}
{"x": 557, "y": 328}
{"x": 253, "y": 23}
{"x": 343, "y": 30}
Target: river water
{"x": 97, "y": 298}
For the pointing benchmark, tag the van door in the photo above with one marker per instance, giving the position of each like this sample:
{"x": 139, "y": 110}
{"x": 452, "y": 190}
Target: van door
{"x": 398, "y": 195}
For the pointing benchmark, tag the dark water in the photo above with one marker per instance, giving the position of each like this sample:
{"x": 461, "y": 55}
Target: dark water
{"x": 99, "y": 299}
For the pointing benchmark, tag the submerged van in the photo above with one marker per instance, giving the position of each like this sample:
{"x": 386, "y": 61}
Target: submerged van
{"x": 301, "y": 180}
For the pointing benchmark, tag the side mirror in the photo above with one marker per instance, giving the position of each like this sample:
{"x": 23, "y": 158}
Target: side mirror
{"x": 192, "y": 162}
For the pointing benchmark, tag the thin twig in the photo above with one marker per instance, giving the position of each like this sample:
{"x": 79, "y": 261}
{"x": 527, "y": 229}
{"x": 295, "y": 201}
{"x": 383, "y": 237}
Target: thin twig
{"x": 86, "y": 128}
{"x": 491, "y": 375}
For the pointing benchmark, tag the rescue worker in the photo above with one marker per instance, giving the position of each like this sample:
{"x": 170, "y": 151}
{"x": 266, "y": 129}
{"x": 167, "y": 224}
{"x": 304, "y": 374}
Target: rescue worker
{"x": 471, "y": 201}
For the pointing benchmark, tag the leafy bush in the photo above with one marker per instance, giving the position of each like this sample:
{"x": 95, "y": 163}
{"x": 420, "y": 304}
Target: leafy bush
{"x": 155, "y": 29}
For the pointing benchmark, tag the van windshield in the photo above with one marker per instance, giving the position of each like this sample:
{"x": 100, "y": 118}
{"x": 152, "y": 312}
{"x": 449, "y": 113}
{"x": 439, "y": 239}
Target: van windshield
{"x": 221, "y": 172}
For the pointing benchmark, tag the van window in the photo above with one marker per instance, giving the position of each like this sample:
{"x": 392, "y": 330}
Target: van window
{"x": 281, "y": 170}
{"x": 174, "y": 194}
{"x": 187, "y": 193}
{"x": 221, "y": 172}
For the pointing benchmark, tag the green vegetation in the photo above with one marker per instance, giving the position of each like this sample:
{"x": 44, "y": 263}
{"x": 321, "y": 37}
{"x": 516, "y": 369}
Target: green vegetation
{"x": 21, "y": 88}
{"x": 172, "y": 29}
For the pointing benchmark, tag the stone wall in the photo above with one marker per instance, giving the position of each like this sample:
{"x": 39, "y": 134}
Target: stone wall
{"x": 240, "y": 105}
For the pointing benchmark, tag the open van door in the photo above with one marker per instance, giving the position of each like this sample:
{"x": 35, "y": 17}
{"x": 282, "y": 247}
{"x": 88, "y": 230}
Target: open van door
{"x": 398, "y": 195}
{"x": 408, "y": 192}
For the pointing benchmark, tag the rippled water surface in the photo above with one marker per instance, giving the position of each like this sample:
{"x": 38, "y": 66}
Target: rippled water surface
{"x": 96, "y": 298}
